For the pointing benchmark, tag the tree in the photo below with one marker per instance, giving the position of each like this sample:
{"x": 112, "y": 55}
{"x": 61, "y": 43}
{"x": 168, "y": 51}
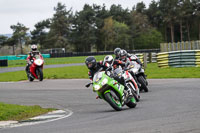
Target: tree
{"x": 100, "y": 14}
{"x": 19, "y": 34}
{"x": 119, "y": 14}
{"x": 180, "y": 17}
{"x": 115, "y": 34}
{"x": 12, "y": 42}
{"x": 196, "y": 14}
{"x": 39, "y": 35}
{"x": 108, "y": 33}
{"x": 148, "y": 40}
{"x": 187, "y": 14}
{"x": 60, "y": 27}
{"x": 122, "y": 35}
{"x": 3, "y": 39}
{"x": 139, "y": 25}
{"x": 84, "y": 29}
{"x": 169, "y": 12}
{"x": 154, "y": 14}
{"x": 140, "y": 7}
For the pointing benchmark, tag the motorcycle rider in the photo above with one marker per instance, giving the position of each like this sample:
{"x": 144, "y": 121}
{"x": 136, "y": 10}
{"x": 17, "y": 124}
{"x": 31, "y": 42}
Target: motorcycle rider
{"x": 132, "y": 57}
{"x": 94, "y": 66}
{"x": 114, "y": 64}
{"x": 31, "y": 54}
{"x": 126, "y": 57}
{"x": 116, "y": 52}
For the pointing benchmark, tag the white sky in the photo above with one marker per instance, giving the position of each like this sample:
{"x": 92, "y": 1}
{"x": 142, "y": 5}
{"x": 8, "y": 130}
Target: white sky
{"x": 30, "y": 12}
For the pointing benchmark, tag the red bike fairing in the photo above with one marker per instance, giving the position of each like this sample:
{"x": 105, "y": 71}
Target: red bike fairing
{"x": 33, "y": 67}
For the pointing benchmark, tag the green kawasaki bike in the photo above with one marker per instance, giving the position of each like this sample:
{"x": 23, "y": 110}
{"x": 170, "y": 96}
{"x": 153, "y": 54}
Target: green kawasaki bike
{"x": 111, "y": 91}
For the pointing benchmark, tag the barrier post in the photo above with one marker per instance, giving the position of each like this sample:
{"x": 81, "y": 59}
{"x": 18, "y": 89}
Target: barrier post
{"x": 145, "y": 60}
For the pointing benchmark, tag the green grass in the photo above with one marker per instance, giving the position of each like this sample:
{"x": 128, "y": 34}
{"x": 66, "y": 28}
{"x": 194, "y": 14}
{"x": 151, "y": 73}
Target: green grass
{"x": 20, "y": 112}
{"x": 51, "y": 61}
{"x": 49, "y": 73}
{"x": 152, "y": 71}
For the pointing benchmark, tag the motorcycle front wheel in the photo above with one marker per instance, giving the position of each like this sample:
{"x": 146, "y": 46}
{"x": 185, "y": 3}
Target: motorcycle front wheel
{"x": 137, "y": 98}
{"x": 113, "y": 100}
{"x": 30, "y": 78}
{"x": 39, "y": 74}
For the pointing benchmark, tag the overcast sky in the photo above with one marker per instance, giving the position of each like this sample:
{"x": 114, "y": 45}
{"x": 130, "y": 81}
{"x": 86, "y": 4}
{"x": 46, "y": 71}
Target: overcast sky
{"x": 29, "y": 12}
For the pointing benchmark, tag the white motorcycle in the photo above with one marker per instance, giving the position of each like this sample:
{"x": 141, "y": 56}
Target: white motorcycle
{"x": 129, "y": 80}
{"x": 137, "y": 72}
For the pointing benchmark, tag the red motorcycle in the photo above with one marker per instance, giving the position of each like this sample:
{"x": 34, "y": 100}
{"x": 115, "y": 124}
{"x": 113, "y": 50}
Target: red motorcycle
{"x": 35, "y": 69}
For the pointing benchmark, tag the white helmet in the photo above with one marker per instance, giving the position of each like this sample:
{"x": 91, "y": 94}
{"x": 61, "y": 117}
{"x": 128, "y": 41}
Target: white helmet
{"x": 108, "y": 59}
{"x": 33, "y": 47}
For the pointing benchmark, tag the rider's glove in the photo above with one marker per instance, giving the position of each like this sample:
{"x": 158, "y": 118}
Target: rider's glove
{"x": 127, "y": 64}
{"x": 29, "y": 62}
{"x": 109, "y": 69}
{"x": 88, "y": 85}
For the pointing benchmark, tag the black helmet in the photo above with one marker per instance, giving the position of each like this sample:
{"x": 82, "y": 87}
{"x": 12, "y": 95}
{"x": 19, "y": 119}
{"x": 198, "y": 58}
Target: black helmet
{"x": 123, "y": 55}
{"x": 90, "y": 62}
{"x": 116, "y": 51}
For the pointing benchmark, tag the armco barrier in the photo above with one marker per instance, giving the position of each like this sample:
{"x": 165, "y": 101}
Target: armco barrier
{"x": 184, "y": 58}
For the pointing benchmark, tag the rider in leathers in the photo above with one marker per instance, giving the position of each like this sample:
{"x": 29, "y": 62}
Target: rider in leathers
{"x": 105, "y": 65}
{"x": 31, "y": 54}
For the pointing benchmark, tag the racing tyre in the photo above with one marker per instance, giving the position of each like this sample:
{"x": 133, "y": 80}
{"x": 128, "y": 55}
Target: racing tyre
{"x": 39, "y": 74}
{"x": 143, "y": 83}
{"x": 113, "y": 100}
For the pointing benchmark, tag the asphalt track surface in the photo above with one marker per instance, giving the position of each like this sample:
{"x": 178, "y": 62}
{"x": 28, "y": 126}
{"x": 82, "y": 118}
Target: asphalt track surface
{"x": 171, "y": 106}
{"x": 13, "y": 69}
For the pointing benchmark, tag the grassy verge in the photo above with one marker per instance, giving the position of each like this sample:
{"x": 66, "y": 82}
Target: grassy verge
{"x": 49, "y": 73}
{"x": 20, "y": 112}
{"x": 51, "y": 61}
{"x": 152, "y": 71}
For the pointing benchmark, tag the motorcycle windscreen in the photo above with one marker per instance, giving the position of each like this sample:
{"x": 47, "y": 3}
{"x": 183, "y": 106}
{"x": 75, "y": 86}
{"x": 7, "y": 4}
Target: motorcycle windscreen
{"x": 97, "y": 77}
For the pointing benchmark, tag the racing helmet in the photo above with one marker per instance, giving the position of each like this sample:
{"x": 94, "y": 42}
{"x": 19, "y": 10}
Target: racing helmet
{"x": 33, "y": 47}
{"x": 90, "y": 62}
{"x": 108, "y": 59}
{"x": 116, "y": 51}
{"x": 123, "y": 55}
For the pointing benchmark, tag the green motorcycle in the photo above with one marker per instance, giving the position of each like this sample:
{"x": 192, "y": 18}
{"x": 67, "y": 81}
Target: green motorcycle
{"x": 111, "y": 91}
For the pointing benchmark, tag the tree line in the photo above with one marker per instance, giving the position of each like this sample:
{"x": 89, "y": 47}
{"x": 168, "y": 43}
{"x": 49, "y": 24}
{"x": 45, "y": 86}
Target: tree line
{"x": 95, "y": 28}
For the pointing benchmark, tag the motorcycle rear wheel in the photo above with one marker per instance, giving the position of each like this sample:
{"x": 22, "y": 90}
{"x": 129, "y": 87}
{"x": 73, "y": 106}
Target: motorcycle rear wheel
{"x": 132, "y": 103}
{"x": 143, "y": 83}
{"x": 115, "y": 103}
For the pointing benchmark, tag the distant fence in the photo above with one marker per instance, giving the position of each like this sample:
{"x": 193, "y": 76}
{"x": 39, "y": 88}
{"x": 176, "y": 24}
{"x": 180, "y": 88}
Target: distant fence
{"x": 188, "y": 45}
{"x": 184, "y": 58}
{"x": 71, "y": 54}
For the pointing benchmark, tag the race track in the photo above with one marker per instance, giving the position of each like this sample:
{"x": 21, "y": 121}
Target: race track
{"x": 171, "y": 106}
